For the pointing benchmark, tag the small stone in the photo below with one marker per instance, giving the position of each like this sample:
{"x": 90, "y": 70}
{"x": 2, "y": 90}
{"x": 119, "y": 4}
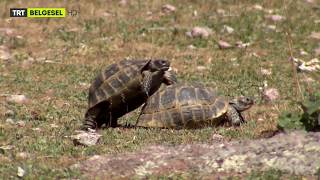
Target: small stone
{"x": 54, "y": 126}
{"x": 276, "y": 18}
{"x": 221, "y": 11}
{"x": 21, "y": 172}
{"x": 22, "y": 155}
{"x": 9, "y": 113}
{"x": 311, "y": 66}
{"x": 271, "y": 94}
{"x": 224, "y": 45}
{"x": 227, "y": 29}
{"x": 36, "y": 129}
{"x": 195, "y": 13}
{"x": 19, "y": 99}
{"x": 189, "y": 34}
{"x": 271, "y": 27}
{"x": 201, "y": 68}
{"x": 191, "y": 47}
{"x": 315, "y": 35}
{"x": 202, "y": 32}
{"x": 4, "y": 53}
{"x": 106, "y": 14}
{"x": 86, "y": 138}
{"x": 240, "y": 44}
{"x": 258, "y": 7}
{"x": 266, "y": 72}
{"x": 168, "y": 8}
{"x": 84, "y": 85}
{"x": 303, "y": 52}
{"x": 21, "y": 123}
{"x": 269, "y": 11}
{"x": 10, "y": 121}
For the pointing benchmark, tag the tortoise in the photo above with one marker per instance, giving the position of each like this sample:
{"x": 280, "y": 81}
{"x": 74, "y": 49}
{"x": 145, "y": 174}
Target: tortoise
{"x": 191, "y": 105}
{"x": 123, "y": 87}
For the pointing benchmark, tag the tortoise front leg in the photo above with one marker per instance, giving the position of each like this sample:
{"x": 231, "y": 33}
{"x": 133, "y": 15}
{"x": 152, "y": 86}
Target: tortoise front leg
{"x": 234, "y": 116}
{"x": 141, "y": 111}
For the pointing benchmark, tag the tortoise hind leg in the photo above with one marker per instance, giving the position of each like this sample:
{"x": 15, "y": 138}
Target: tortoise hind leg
{"x": 96, "y": 117}
{"x": 90, "y": 121}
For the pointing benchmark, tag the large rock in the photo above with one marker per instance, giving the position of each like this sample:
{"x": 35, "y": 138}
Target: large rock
{"x": 296, "y": 153}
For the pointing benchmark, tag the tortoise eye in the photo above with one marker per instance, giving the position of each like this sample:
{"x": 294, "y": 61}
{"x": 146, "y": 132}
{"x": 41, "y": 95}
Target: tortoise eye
{"x": 163, "y": 62}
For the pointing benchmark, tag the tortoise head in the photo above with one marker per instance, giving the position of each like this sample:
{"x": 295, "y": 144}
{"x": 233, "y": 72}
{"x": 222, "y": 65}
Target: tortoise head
{"x": 157, "y": 65}
{"x": 170, "y": 77}
{"x": 242, "y": 103}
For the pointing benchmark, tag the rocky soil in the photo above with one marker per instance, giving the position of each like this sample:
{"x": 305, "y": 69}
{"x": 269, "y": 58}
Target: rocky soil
{"x": 295, "y": 153}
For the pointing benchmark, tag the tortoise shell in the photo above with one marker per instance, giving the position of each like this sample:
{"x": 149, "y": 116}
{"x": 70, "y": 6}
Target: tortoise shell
{"x": 183, "y": 106}
{"x": 119, "y": 90}
{"x": 111, "y": 83}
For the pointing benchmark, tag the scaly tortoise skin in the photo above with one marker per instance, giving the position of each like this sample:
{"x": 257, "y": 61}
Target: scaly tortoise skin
{"x": 191, "y": 106}
{"x": 123, "y": 87}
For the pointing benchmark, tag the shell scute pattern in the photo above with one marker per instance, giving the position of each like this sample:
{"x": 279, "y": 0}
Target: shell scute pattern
{"x": 182, "y": 105}
{"x": 112, "y": 81}
{"x": 167, "y": 98}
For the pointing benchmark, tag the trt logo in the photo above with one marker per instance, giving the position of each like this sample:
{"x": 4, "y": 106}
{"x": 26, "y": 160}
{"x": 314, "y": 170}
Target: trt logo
{"x": 18, "y": 12}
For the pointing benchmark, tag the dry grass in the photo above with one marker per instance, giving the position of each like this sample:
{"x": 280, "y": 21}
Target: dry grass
{"x": 105, "y": 32}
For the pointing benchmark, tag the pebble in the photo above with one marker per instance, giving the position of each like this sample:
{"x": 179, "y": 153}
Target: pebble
{"x": 19, "y": 99}
{"x": 10, "y": 121}
{"x": 266, "y": 72}
{"x": 21, "y": 172}
{"x": 276, "y": 18}
{"x": 241, "y": 44}
{"x": 86, "y": 138}
{"x": 224, "y": 45}
{"x": 21, "y": 123}
{"x": 22, "y": 155}
{"x": 258, "y": 7}
{"x": 168, "y": 8}
{"x": 202, "y": 32}
{"x": 4, "y": 53}
{"x": 191, "y": 47}
{"x": 228, "y": 29}
{"x": 271, "y": 27}
{"x": 303, "y": 52}
{"x": 271, "y": 94}
{"x": 201, "y": 68}
{"x": 54, "y": 126}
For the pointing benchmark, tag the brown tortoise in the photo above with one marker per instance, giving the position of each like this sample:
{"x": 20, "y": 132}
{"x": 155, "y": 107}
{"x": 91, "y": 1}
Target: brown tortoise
{"x": 123, "y": 87}
{"x": 191, "y": 106}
